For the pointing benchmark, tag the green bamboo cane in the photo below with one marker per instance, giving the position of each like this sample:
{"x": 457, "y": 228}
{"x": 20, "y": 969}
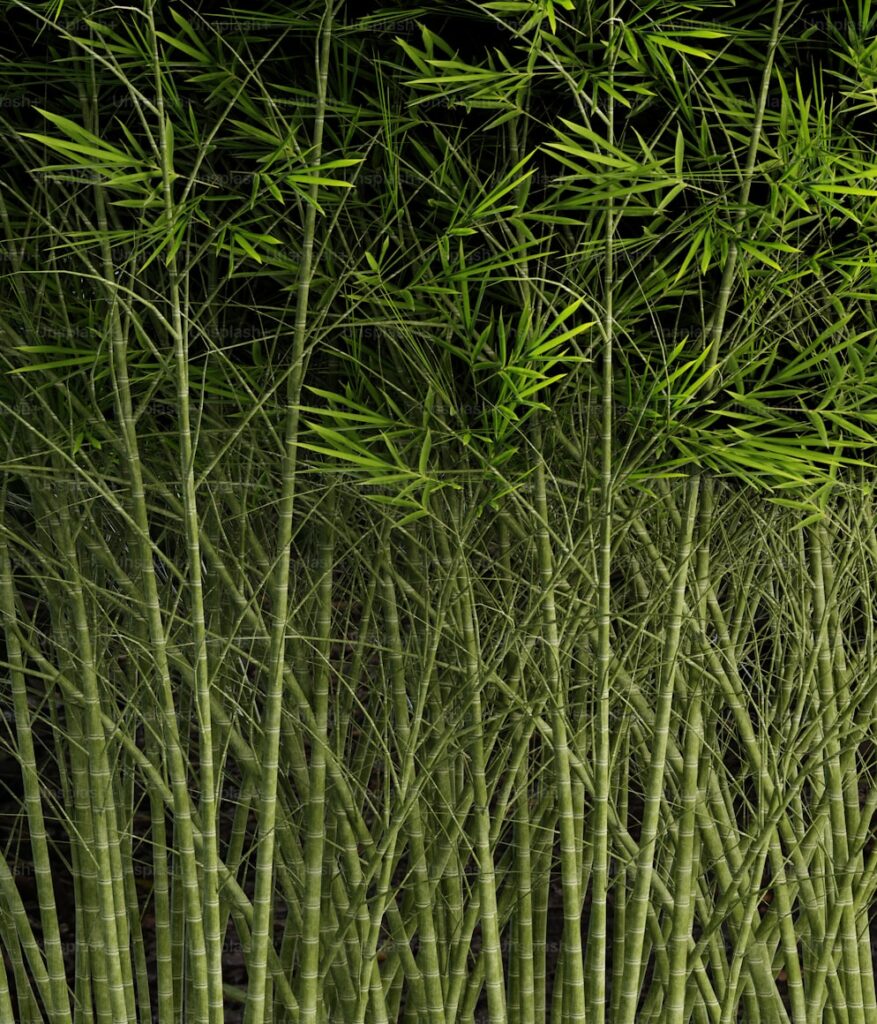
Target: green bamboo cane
{"x": 209, "y": 875}
{"x": 597, "y": 933}
{"x": 732, "y": 994}
{"x": 394, "y": 993}
{"x": 9, "y": 932}
{"x": 370, "y": 986}
{"x": 621, "y": 835}
{"x": 246, "y": 758}
{"x": 732, "y": 689}
{"x": 721, "y": 841}
{"x": 60, "y": 1005}
{"x": 521, "y": 956}
{"x": 180, "y": 942}
{"x": 629, "y": 847}
{"x": 643, "y": 878}
{"x": 766, "y": 996}
{"x": 516, "y": 898}
{"x": 543, "y": 829}
{"x": 160, "y": 887}
{"x": 315, "y": 815}
{"x": 91, "y": 949}
{"x": 243, "y": 911}
{"x": 340, "y": 926}
{"x": 340, "y": 939}
{"x": 158, "y": 638}
{"x": 789, "y": 938}
{"x": 401, "y": 940}
{"x": 620, "y": 895}
{"x": 242, "y": 908}
{"x": 99, "y": 773}
{"x": 740, "y": 717}
{"x": 450, "y": 887}
{"x": 123, "y": 890}
{"x": 473, "y": 990}
{"x": 833, "y": 782}
{"x": 812, "y": 883}
{"x": 426, "y": 922}
{"x": 785, "y": 892}
{"x": 120, "y": 902}
{"x": 847, "y": 758}
{"x": 523, "y": 952}
{"x": 6, "y": 1011}
{"x": 557, "y": 990}
{"x": 139, "y": 968}
{"x": 457, "y": 799}
{"x": 491, "y": 952}
{"x": 683, "y": 913}
{"x": 628, "y": 1005}
{"x": 90, "y": 964}
{"x": 356, "y": 938}
{"x": 572, "y": 900}
{"x": 444, "y": 868}
{"x": 255, "y": 1009}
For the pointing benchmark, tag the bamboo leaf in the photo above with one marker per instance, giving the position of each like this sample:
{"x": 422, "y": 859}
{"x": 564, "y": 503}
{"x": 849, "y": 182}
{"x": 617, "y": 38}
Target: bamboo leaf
{"x": 673, "y": 44}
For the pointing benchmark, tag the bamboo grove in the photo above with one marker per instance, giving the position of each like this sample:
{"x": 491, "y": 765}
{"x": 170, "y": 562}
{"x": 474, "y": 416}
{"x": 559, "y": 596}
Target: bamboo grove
{"x": 437, "y": 524}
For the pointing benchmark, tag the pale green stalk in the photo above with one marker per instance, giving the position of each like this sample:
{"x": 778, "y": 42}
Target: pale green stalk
{"x": 731, "y": 686}
{"x": 20, "y": 944}
{"x": 315, "y": 814}
{"x": 638, "y": 904}
{"x": 597, "y": 934}
{"x": 209, "y": 874}
{"x": 523, "y": 951}
{"x": 6, "y": 1012}
{"x": 256, "y": 966}
{"x": 243, "y": 909}
{"x": 729, "y": 1005}
{"x": 122, "y": 878}
{"x": 491, "y": 953}
{"x": 157, "y": 636}
{"x": 834, "y": 783}
{"x": 572, "y": 897}
{"x": 521, "y": 956}
{"x": 620, "y": 894}
{"x": 716, "y": 844}
{"x": 684, "y": 908}
{"x": 847, "y": 759}
{"x": 120, "y": 901}
{"x": 161, "y": 889}
{"x": 60, "y": 1006}
{"x": 131, "y": 902}
{"x": 683, "y": 911}
{"x": 370, "y": 985}
{"x": 89, "y": 961}
{"x": 100, "y": 778}
{"x": 788, "y": 937}
{"x": 426, "y": 925}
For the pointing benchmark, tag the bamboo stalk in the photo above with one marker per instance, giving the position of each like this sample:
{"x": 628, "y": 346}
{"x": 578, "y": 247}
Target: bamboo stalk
{"x": 60, "y": 1004}
{"x": 257, "y": 964}
{"x": 643, "y": 877}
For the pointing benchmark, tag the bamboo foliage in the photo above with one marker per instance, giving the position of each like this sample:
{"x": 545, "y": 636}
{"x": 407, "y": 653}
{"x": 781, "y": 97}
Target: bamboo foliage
{"x": 437, "y": 562}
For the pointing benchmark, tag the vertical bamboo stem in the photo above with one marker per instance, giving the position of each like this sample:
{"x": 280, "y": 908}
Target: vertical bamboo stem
{"x": 262, "y": 901}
